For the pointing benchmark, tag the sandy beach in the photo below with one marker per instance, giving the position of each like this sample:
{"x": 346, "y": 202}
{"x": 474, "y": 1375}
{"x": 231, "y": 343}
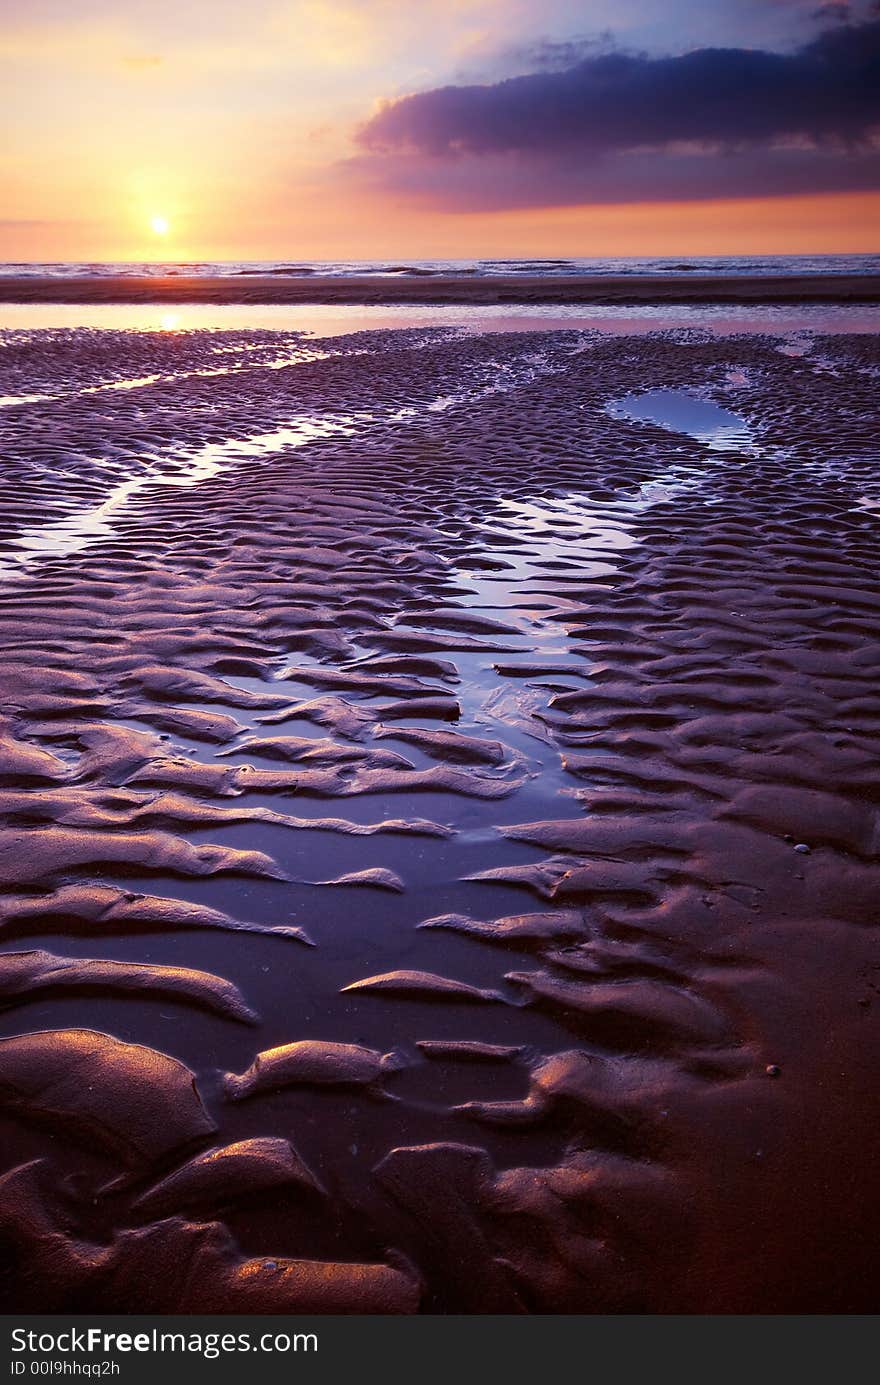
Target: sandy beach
{"x": 439, "y": 288}
{"x": 439, "y": 847}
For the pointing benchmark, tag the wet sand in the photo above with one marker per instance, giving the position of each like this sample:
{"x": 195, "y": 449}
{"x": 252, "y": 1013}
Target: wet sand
{"x": 439, "y": 846}
{"x": 445, "y": 288}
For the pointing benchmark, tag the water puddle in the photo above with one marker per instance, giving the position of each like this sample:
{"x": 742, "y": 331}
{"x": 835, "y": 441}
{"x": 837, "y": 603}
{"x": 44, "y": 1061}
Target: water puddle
{"x": 76, "y": 532}
{"x": 335, "y": 319}
{"x": 291, "y": 356}
{"x": 681, "y": 412}
{"x": 304, "y": 356}
{"x": 9, "y": 401}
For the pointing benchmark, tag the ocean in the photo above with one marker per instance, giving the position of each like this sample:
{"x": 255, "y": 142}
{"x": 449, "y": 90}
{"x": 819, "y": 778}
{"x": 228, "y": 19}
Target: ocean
{"x": 727, "y": 265}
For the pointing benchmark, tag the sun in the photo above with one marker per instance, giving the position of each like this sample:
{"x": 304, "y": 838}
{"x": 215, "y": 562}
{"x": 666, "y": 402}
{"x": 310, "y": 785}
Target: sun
{"x": 161, "y": 225}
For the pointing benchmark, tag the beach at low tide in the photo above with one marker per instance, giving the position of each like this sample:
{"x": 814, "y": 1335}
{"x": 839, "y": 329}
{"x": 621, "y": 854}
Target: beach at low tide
{"x": 438, "y": 773}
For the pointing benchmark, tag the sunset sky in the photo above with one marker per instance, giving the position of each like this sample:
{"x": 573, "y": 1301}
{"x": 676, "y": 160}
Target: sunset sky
{"x": 323, "y": 129}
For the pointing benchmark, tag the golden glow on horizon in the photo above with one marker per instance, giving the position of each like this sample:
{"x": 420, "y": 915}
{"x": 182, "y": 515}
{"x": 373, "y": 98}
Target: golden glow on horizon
{"x": 345, "y": 226}
{"x": 234, "y": 139}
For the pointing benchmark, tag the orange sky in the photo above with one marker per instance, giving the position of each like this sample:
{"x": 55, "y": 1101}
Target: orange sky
{"x": 834, "y": 223}
{"x": 237, "y": 125}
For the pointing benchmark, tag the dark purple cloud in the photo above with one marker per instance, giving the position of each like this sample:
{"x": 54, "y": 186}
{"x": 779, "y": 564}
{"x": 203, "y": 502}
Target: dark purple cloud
{"x": 500, "y": 182}
{"x": 834, "y": 12}
{"x": 827, "y": 91}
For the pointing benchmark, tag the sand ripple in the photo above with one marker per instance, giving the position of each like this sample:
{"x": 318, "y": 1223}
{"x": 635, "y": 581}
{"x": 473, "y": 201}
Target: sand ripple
{"x": 588, "y": 1019}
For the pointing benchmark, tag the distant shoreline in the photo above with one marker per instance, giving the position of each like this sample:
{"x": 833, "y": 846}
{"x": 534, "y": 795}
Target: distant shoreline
{"x": 448, "y": 288}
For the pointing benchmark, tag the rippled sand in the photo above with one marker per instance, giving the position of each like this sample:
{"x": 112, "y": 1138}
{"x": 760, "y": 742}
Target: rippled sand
{"x": 439, "y": 822}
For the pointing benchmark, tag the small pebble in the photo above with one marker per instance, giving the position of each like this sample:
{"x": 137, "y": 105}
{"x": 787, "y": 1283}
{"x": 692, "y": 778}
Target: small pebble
{"x": 802, "y": 848}
{"x": 772, "y": 1069}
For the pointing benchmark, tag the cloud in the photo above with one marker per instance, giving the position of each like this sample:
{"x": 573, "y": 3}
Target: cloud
{"x": 487, "y": 61}
{"x": 828, "y": 90}
{"x": 616, "y": 125}
{"x": 835, "y": 12}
